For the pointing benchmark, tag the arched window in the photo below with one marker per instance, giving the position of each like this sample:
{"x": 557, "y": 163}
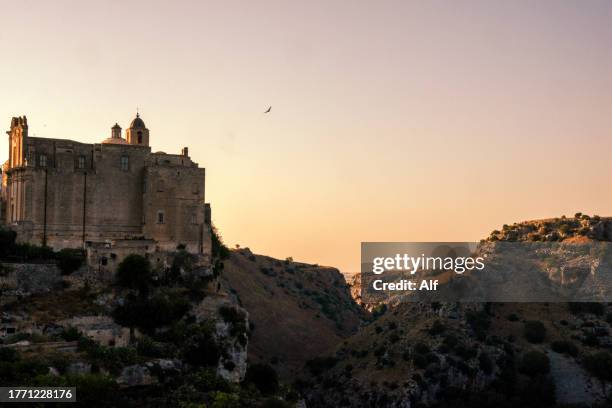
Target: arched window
{"x": 139, "y": 137}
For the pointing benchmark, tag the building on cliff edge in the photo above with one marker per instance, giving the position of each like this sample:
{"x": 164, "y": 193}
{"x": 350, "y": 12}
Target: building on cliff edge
{"x": 110, "y": 198}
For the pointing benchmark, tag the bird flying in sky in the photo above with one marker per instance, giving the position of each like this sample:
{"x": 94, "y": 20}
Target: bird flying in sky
{"x": 269, "y": 109}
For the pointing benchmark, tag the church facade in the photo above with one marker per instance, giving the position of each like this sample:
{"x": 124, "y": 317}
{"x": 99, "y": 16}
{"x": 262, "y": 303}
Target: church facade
{"x": 114, "y": 194}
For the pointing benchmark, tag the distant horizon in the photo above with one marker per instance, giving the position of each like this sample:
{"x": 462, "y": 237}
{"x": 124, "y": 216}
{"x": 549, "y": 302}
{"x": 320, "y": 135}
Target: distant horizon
{"x": 394, "y": 121}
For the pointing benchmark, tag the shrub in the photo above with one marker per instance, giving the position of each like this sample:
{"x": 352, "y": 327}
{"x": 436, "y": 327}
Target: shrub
{"x": 93, "y": 389}
{"x": 598, "y": 364}
{"x": 564, "y": 347}
{"x": 479, "y": 322}
{"x": 420, "y": 360}
{"x": 206, "y": 379}
{"x": 8, "y": 354}
{"x": 71, "y": 334}
{"x": 31, "y": 252}
{"x": 485, "y": 363}
{"x": 7, "y": 241}
{"x": 534, "y": 363}
{"x": 534, "y": 331}
{"x": 184, "y": 262}
{"x": 201, "y": 348}
{"x": 590, "y": 340}
{"x": 263, "y": 377}
{"x": 465, "y": 352}
{"x": 236, "y": 318}
{"x": 69, "y": 260}
{"x": 318, "y": 365}
{"x": 162, "y": 309}
{"x": 450, "y": 341}
{"x": 437, "y": 328}
{"x": 421, "y": 348}
{"x": 219, "y": 250}
{"x": 149, "y": 348}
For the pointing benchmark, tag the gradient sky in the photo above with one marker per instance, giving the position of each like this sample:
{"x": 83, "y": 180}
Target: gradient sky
{"x": 391, "y": 120}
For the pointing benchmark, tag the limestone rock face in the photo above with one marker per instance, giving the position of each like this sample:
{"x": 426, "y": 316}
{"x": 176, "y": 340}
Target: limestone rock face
{"x": 232, "y": 334}
{"x": 233, "y": 365}
{"x": 135, "y": 375}
{"x": 29, "y": 279}
{"x": 78, "y": 368}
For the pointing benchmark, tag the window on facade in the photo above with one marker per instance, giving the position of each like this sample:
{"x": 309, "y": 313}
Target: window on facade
{"x": 160, "y": 185}
{"x": 195, "y": 189}
{"x": 139, "y": 137}
{"x": 194, "y": 218}
{"x": 125, "y": 163}
{"x": 42, "y": 160}
{"x": 81, "y": 162}
{"x": 160, "y": 217}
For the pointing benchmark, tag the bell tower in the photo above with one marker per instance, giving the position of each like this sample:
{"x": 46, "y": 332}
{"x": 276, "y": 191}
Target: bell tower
{"x": 17, "y": 141}
{"x": 137, "y": 133}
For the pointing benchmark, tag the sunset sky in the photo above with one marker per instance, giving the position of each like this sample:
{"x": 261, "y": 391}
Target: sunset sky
{"x": 391, "y": 120}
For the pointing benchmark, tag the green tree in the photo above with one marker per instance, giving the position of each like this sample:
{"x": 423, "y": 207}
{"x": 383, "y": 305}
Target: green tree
{"x": 134, "y": 272}
{"x": 130, "y": 313}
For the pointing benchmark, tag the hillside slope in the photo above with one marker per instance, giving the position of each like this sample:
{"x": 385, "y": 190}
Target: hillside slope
{"x": 298, "y": 311}
{"x": 487, "y": 354}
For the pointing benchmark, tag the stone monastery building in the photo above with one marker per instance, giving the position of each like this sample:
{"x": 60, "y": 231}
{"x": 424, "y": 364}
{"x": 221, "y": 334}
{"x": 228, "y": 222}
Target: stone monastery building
{"x": 111, "y": 198}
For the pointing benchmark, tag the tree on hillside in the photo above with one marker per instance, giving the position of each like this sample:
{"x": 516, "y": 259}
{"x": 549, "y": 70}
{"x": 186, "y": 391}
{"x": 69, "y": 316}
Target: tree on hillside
{"x": 130, "y": 313}
{"x": 134, "y": 272}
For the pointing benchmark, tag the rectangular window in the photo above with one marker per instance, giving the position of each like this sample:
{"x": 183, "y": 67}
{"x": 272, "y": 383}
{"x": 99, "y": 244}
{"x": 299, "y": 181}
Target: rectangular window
{"x": 81, "y": 162}
{"x": 42, "y": 160}
{"x": 125, "y": 163}
{"x": 160, "y": 217}
{"x": 194, "y": 218}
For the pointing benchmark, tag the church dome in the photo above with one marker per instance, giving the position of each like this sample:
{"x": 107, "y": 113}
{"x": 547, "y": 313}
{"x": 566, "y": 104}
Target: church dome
{"x": 115, "y": 136}
{"x": 114, "y": 140}
{"x": 137, "y": 123}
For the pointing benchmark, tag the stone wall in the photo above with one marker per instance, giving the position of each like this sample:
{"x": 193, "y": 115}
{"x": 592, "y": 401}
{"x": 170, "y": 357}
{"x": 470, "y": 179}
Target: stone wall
{"x": 174, "y": 211}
